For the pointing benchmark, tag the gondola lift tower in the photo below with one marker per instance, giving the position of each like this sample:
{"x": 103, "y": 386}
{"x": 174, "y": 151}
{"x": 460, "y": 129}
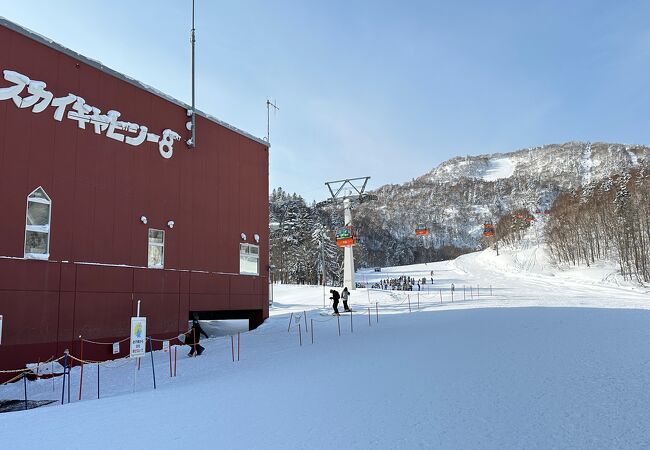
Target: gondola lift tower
{"x": 348, "y": 192}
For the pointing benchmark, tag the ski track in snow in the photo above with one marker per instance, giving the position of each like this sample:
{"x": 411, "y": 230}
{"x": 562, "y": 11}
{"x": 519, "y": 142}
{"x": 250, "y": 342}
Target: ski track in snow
{"x": 498, "y": 168}
{"x": 525, "y": 356}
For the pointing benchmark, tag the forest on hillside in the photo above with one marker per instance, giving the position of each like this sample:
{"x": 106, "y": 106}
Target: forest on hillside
{"x": 605, "y": 220}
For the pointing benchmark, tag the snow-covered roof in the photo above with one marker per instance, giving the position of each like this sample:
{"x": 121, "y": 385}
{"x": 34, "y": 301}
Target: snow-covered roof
{"x": 98, "y": 65}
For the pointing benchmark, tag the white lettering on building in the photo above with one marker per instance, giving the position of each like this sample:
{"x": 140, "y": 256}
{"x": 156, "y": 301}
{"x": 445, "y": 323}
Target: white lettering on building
{"x": 38, "y": 99}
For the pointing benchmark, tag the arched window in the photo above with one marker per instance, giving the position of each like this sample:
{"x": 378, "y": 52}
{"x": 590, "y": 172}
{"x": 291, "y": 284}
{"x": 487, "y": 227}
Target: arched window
{"x": 37, "y": 228}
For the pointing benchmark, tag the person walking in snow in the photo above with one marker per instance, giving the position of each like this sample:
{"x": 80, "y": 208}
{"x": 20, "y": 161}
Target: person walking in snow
{"x": 335, "y": 300}
{"x": 194, "y": 336}
{"x": 345, "y": 295}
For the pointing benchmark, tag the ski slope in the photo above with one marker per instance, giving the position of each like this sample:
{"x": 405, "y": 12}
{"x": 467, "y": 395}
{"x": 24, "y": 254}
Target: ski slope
{"x": 549, "y": 359}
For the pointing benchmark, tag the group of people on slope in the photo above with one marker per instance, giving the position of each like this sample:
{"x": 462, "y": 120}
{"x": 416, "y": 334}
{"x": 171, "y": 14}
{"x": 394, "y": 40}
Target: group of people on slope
{"x": 345, "y": 295}
{"x": 403, "y": 283}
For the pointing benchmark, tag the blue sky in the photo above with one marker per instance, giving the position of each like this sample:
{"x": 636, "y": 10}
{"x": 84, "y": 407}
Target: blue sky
{"x": 381, "y": 89}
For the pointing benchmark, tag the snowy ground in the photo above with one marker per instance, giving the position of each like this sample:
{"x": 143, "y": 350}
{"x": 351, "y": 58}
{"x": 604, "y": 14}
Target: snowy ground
{"x": 525, "y": 356}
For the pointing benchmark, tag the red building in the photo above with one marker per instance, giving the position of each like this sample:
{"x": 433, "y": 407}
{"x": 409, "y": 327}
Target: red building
{"x": 103, "y": 204}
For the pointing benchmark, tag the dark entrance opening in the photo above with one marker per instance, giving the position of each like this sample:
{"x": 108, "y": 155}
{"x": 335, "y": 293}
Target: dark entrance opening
{"x": 254, "y": 317}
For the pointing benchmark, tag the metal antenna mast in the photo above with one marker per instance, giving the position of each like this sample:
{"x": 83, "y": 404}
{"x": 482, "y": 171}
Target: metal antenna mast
{"x": 356, "y": 188}
{"x": 192, "y": 142}
{"x": 269, "y": 105}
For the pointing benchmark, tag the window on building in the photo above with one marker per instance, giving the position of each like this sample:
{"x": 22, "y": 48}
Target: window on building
{"x": 156, "y": 255}
{"x": 249, "y": 258}
{"x": 37, "y": 227}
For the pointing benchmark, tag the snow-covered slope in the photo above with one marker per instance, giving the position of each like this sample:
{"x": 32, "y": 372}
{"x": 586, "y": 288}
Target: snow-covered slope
{"x": 486, "y": 368}
{"x": 455, "y": 198}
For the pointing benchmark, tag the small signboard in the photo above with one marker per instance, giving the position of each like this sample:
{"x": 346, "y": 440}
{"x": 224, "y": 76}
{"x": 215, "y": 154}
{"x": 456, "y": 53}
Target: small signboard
{"x": 165, "y": 346}
{"x": 116, "y": 348}
{"x": 138, "y": 337}
{"x": 347, "y": 242}
{"x": 0, "y": 329}
{"x": 344, "y": 233}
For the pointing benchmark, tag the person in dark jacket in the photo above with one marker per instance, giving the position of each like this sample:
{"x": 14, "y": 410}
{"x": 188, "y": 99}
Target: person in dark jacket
{"x": 335, "y": 300}
{"x": 345, "y": 295}
{"x": 194, "y": 336}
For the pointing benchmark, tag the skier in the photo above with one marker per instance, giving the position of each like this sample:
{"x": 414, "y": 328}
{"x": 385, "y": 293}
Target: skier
{"x": 194, "y": 335}
{"x": 335, "y": 300}
{"x": 345, "y": 295}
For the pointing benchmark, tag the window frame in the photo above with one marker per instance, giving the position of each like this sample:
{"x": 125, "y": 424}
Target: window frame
{"x": 155, "y": 244}
{"x": 248, "y": 254}
{"x": 46, "y": 229}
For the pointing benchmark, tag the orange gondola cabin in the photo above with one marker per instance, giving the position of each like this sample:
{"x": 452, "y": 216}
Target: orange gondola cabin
{"x": 421, "y": 230}
{"x": 345, "y": 237}
{"x": 488, "y": 230}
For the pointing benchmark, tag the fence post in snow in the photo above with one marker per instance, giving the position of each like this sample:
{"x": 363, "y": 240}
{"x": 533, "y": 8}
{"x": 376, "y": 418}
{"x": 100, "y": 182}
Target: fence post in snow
{"x": 25, "y": 383}
{"x": 232, "y": 347}
{"x": 300, "y": 334}
{"x": 338, "y": 320}
{"x": 369, "y": 324}
{"x": 408, "y": 296}
{"x": 290, "y": 319}
{"x": 98, "y": 379}
{"x": 377, "y": 311}
{"x": 351, "y": 327}
{"x": 65, "y": 369}
{"x": 153, "y": 367}
{"x": 312, "y": 330}
{"x": 306, "y": 329}
{"x": 418, "y": 300}
{"x": 81, "y": 374}
{"x": 238, "y": 345}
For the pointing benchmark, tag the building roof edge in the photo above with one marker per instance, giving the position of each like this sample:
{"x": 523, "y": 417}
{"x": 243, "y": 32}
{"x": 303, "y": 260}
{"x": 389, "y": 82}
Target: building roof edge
{"x": 98, "y": 65}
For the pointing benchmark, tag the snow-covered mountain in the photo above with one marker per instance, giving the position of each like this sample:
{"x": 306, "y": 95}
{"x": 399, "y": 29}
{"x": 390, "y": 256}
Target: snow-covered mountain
{"x": 454, "y": 199}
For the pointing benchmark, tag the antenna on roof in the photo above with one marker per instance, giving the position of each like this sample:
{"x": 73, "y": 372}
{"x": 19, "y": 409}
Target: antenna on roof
{"x": 268, "y": 119}
{"x": 192, "y": 125}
